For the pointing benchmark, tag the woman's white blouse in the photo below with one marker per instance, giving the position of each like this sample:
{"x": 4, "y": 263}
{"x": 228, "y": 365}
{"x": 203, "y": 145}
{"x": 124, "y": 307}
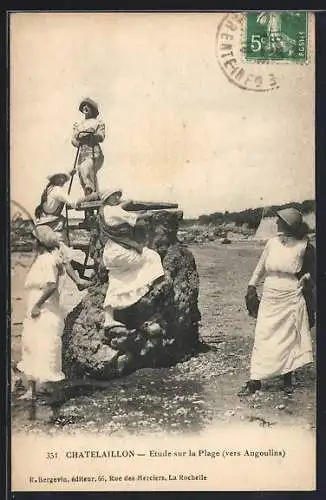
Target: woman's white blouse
{"x": 115, "y": 215}
{"x": 283, "y": 255}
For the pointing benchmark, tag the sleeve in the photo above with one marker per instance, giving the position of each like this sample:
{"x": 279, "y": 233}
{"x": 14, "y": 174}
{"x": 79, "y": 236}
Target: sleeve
{"x": 129, "y": 217}
{"x": 60, "y": 194}
{"x": 115, "y": 215}
{"x": 50, "y": 276}
{"x": 99, "y": 135}
{"x": 44, "y": 271}
{"x": 260, "y": 269}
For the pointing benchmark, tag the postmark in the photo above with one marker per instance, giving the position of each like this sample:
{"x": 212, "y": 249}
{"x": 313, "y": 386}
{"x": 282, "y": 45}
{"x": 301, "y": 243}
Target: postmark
{"x": 276, "y": 36}
{"x": 22, "y": 227}
{"x": 229, "y": 47}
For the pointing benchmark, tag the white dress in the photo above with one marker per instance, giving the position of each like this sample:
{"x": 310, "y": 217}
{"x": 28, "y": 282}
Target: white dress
{"x": 41, "y": 336}
{"x": 282, "y": 336}
{"x": 130, "y": 273}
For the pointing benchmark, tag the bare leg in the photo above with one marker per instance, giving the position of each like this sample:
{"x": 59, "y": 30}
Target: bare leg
{"x": 87, "y": 175}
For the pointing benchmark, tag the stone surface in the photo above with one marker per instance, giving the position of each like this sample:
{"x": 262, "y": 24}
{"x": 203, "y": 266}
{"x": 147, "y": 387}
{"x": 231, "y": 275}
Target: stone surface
{"x": 160, "y": 329}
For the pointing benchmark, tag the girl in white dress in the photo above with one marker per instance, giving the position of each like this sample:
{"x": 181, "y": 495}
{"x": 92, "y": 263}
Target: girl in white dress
{"x": 44, "y": 321}
{"x": 282, "y": 335}
{"x": 49, "y": 213}
{"x": 53, "y": 200}
{"x": 133, "y": 268}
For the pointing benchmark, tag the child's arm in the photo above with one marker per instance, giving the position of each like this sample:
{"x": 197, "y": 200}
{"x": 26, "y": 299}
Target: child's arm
{"x": 61, "y": 195}
{"x": 81, "y": 136}
{"x": 74, "y": 139}
{"x": 79, "y": 282}
{"x": 98, "y": 135}
{"x": 47, "y": 292}
{"x": 65, "y": 259}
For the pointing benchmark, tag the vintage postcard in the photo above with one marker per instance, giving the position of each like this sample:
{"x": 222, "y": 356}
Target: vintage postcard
{"x": 163, "y": 251}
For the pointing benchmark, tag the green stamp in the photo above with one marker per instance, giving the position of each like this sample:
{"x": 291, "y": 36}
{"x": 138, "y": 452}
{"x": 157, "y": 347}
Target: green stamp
{"x": 276, "y": 36}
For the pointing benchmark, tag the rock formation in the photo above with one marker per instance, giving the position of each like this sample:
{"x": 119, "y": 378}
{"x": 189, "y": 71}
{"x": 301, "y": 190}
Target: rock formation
{"x": 162, "y": 327}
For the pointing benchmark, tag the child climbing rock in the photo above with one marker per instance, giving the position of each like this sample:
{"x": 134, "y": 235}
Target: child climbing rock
{"x": 133, "y": 267}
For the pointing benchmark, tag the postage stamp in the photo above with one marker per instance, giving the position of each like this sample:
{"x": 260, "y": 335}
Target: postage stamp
{"x": 229, "y": 49}
{"x": 276, "y": 36}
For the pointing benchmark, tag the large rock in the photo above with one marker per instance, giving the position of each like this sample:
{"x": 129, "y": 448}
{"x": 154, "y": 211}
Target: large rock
{"x": 161, "y": 328}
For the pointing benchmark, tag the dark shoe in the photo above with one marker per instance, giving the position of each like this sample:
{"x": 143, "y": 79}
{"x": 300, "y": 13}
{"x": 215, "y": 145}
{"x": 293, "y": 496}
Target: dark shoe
{"x": 250, "y": 387}
{"x": 287, "y": 381}
{"x": 288, "y": 389}
{"x": 115, "y": 330}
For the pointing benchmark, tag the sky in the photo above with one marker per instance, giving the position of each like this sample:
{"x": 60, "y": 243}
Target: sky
{"x": 176, "y": 129}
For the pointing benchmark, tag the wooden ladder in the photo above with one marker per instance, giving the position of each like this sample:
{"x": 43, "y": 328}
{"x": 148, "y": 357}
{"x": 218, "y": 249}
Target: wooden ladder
{"x": 85, "y": 207}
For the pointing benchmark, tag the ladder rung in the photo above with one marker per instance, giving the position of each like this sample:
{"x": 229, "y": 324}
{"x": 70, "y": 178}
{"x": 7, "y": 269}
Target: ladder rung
{"x": 79, "y": 246}
{"x": 79, "y": 225}
{"x": 87, "y": 205}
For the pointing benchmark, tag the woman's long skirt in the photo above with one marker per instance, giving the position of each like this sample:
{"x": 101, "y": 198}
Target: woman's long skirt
{"x": 282, "y": 336}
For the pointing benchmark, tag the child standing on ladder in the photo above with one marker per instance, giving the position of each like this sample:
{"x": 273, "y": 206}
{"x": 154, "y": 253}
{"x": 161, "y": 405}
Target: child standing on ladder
{"x": 53, "y": 200}
{"x": 87, "y": 136}
{"x": 49, "y": 213}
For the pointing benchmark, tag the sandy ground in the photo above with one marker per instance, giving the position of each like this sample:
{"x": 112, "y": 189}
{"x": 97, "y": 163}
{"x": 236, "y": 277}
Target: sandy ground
{"x": 191, "y": 395}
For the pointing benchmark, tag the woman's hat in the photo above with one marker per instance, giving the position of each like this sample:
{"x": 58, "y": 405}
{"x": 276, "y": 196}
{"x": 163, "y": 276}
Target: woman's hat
{"x": 90, "y": 103}
{"x": 105, "y": 197}
{"x": 47, "y": 237}
{"x": 54, "y": 177}
{"x": 291, "y": 216}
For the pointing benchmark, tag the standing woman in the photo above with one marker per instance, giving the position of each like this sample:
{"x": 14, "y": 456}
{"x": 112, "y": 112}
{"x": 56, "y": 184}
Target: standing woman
{"x": 87, "y": 136}
{"x": 286, "y": 310}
